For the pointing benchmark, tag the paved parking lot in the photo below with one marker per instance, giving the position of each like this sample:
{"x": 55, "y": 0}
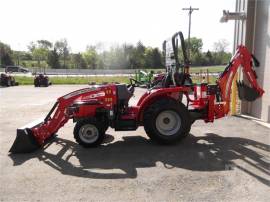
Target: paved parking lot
{"x": 222, "y": 161}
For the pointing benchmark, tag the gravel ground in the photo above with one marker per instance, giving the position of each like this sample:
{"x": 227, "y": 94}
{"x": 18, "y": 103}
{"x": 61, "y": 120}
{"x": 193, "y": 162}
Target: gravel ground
{"x": 223, "y": 161}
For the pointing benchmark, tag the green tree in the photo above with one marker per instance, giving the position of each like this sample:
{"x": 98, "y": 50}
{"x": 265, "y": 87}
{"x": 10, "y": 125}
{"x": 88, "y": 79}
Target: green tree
{"x": 5, "y": 55}
{"x": 40, "y": 50}
{"x": 63, "y": 50}
{"x": 16, "y": 57}
{"x": 195, "y": 47}
{"x": 44, "y": 44}
{"x": 220, "y": 55}
{"x": 221, "y": 45}
{"x": 157, "y": 58}
{"x": 40, "y": 54}
{"x": 78, "y": 61}
{"x": 91, "y": 57}
{"x": 53, "y": 59}
{"x": 137, "y": 58}
{"x": 25, "y": 55}
{"x": 19, "y": 57}
{"x": 153, "y": 58}
{"x": 209, "y": 58}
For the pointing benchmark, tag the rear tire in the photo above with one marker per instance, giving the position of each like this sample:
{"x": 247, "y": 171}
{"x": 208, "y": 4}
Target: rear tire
{"x": 36, "y": 83}
{"x": 46, "y": 83}
{"x": 89, "y": 133}
{"x": 167, "y": 121}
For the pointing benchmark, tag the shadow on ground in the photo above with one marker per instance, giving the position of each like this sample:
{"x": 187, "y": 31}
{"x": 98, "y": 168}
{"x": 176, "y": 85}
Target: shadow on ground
{"x": 208, "y": 153}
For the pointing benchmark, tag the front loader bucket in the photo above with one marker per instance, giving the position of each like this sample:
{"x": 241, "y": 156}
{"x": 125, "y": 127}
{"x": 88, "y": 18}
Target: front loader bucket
{"x": 247, "y": 93}
{"x": 25, "y": 141}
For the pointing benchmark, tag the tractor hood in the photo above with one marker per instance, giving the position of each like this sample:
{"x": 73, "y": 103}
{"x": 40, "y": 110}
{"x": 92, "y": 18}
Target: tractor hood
{"x": 83, "y": 91}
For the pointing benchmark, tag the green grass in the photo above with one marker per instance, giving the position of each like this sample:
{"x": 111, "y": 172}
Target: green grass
{"x": 32, "y": 63}
{"x": 86, "y": 80}
{"x": 211, "y": 69}
{"x": 212, "y": 79}
{"x": 23, "y": 80}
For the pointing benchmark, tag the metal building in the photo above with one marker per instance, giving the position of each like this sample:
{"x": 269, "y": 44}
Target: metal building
{"x": 254, "y": 32}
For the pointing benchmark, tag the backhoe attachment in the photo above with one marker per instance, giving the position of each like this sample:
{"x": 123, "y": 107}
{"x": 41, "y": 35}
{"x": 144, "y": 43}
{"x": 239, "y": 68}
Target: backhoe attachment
{"x": 242, "y": 58}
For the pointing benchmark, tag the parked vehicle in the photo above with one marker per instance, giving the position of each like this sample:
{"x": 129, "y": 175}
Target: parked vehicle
{"x": 42, "y": 80}
{"x": 10, "y": 69}
{"x": 7, "y": 80}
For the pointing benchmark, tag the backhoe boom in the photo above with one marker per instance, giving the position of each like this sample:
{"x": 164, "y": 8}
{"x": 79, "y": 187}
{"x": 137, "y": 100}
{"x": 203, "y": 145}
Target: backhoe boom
{"x": 242, "y": 58}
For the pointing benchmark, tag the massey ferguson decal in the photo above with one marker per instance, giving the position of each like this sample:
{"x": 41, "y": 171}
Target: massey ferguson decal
{"x": 79, "y": 92}
{"x": 100, "y": 94}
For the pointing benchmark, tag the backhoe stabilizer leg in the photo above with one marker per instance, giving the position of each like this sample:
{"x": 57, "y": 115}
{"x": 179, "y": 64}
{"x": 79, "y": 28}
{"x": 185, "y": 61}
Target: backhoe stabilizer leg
{"x": 25, "y": 142}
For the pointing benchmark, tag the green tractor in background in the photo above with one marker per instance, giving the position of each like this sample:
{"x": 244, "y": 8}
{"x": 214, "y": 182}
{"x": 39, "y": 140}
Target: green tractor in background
{"x": 143, "y": 78}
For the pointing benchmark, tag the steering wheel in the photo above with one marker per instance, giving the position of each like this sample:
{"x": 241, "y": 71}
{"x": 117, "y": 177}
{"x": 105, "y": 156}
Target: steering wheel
{"x": 131, "y": 80}
{"x": 131, "y": 86}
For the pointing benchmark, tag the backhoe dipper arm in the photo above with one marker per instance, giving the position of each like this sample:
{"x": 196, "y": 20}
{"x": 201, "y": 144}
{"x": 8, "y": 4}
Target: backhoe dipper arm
{"x": 244, "y": 59}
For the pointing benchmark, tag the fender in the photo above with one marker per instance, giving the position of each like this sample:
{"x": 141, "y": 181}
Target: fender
{"x": 152, "y": 95}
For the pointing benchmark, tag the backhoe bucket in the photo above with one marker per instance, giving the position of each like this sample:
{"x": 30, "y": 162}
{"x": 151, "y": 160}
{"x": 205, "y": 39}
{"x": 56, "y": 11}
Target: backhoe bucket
{"x": 247, "y": 93}
{"x": 25, "y": 141}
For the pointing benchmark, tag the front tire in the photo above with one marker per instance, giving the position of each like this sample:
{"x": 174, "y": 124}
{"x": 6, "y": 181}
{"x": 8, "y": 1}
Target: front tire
{"x": 167, "y": 121}
{"x": 8, "y": 82}
{"x": 89, "y": 133}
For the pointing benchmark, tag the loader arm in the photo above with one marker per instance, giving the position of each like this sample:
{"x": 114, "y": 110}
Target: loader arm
{"x": 242, "y": 58}
{"x": 34, "y": 135}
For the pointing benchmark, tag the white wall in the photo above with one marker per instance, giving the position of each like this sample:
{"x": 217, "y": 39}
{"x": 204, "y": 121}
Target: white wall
{"x": 261, "y": 108}
{"x": 254, "y": 32}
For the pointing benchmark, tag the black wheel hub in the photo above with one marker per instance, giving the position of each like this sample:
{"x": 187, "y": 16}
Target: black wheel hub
{"x": 166, "y": 120}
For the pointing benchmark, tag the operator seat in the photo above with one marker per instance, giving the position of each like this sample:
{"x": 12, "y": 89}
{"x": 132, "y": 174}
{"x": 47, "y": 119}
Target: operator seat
{"x": 123, "y": 95}
{"x": 180, "y": 80}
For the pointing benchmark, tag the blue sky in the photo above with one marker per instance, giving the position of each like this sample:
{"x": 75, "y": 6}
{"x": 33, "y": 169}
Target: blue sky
{"x": 84, "y": 22}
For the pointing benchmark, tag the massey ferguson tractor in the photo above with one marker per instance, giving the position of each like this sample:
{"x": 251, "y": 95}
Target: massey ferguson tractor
{"x": 7, "y": 80}
{"x": 41, "y": 80}
{"x": 166, "y": 111}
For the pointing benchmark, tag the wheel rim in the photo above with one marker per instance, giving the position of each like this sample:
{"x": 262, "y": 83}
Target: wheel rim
{"x": 168, "y": 122}
{"x": 89, "y": 133}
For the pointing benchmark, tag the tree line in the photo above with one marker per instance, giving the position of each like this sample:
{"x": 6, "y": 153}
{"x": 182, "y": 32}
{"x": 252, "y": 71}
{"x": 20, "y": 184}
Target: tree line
{"x": 43, "y": 53}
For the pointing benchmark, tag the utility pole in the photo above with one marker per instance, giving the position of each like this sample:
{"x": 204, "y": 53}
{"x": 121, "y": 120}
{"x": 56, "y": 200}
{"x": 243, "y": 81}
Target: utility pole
{"x": 190, "y": 10}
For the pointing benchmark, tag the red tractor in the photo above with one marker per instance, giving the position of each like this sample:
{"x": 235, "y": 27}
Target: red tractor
{"x": 7, "y": 80}
{"x": 161, "y": 110}
{"x": 42, "y": 80}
